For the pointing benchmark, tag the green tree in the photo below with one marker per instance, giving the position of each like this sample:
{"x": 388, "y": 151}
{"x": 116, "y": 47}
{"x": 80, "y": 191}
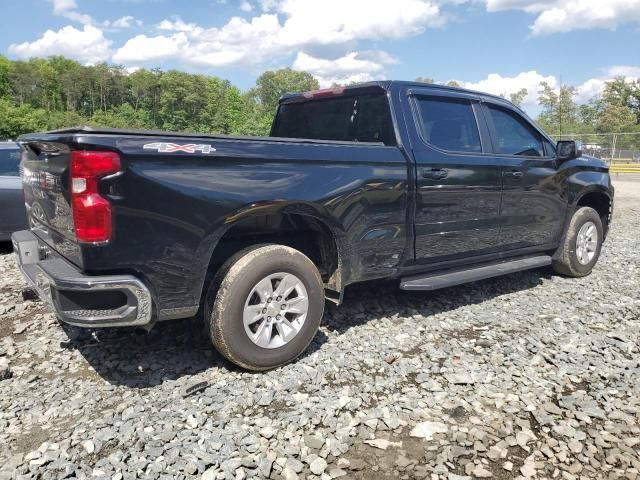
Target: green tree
{"x": 425, "y": 80}
{"x": 5, "y": 77}
{"x": 57, "y": 92}
{"x": 64, "y": 119}
{"x": 518, "y": 97}
{"x": 67, "y": 89}
{"x": 234, "y": 111}
{"x": 621, "y": 91}
{"x": 16, "y": 120}
{"x": 144, "y": 92}
{"x": 617, "y": 92}
{"x": 616, "y": 118}
{"x": 271, "y": 85}
{"x": 588, "y": 114}
{"x": 559, "y": 110}
{"x": 182, "y": 104}
{"x": 122, "y": 116}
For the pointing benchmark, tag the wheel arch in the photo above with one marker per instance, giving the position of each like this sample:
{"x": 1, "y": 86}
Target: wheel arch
{"x": 600, "y": 200}
{"x": 297, "y": 226}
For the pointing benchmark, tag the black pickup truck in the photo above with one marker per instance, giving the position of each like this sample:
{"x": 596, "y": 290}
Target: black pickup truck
{"x": 431, "y": 185}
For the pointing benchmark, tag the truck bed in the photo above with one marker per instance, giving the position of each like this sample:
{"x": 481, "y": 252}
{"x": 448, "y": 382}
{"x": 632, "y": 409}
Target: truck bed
{"x": 125, "y": 132}
{"x": 170, "y": 210}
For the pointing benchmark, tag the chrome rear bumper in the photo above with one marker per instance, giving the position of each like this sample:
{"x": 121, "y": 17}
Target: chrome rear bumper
{"x": 78, "y": 299}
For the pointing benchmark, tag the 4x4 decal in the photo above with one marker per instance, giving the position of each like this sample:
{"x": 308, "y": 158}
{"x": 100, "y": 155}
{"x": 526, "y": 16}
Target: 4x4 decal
{"x": 175, "y": 147}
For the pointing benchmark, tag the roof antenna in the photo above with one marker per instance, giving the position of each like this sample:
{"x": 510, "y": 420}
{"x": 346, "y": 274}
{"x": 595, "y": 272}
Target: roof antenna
{"x": 560, "y": 106}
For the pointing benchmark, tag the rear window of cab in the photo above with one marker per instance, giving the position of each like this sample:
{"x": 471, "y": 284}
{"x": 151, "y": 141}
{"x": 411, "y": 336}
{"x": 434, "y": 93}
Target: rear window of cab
{"x": 355, "y": 118}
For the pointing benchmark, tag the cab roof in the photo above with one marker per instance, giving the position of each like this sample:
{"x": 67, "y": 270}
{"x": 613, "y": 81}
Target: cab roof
{"x": 385, "y": 85}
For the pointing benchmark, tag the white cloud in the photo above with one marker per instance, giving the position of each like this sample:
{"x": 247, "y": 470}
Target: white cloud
{"x": 245, "y": 6}
{"x": 339, "y": 21}
{"x": 87, "y": 45}
{"x": 141, "y": 48}
{"x": 531, "y": 6}
{"x": 123, "y": 22}
{"x": 60, "y": 6}
{"x": 69, "y": 9}
{"x": 177, "y": 25}
{"x": 554, "y": 16}
{"x": 586, "y": 91}
{"x": 499, "y": 85}
{"x": 624, "y": 71}
{"x": 590, "y": 89}
{"x": 594, "y": 86}
{"x": 283, "y": 27}
{"x": 352, "y": 67}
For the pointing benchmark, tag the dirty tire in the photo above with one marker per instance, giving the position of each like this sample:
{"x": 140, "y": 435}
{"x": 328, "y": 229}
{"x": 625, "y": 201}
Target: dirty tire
{"x": 225, "y": 302}
{"x": 566, "y": 260}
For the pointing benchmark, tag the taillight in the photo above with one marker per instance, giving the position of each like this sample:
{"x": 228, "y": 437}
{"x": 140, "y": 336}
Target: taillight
{"x": 91, "y": 212}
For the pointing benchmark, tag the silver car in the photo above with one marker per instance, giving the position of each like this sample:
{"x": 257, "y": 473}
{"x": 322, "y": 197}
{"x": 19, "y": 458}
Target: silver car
{"x": 13, "y": 216}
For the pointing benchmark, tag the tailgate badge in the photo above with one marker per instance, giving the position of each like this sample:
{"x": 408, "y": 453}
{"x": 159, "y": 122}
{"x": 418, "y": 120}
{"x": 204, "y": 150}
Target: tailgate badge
{"x": 163, "y": 147}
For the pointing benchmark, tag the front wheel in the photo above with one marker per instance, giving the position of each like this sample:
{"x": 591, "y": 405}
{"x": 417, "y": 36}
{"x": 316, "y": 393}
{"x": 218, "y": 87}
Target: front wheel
{"x": 265, "y": 306}
{"x": 580, "y": 251}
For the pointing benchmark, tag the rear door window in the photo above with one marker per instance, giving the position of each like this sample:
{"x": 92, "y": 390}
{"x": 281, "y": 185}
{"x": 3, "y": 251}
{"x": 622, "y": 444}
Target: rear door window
{"x": 449, "y": 124}
{"x": 358, "y": 118}
{"x": 9, "y": 162}
{"x": 513, "y": 135}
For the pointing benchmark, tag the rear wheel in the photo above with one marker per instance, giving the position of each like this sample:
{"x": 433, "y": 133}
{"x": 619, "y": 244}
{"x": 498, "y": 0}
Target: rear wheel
{"x": 265, "y": 306}
{"x": 581, "y": 248}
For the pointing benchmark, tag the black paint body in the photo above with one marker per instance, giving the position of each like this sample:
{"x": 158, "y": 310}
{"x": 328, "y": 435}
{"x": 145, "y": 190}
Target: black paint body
{"x": 387, "y": 217}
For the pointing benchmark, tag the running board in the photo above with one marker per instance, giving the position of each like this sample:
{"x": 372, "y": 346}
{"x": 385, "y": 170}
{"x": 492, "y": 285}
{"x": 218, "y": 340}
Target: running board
{"x": 457, "y": 277}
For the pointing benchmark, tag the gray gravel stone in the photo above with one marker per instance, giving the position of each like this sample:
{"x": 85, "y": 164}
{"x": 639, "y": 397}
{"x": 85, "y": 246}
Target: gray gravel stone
{"x": 531, "y": 375}
{"x": 318, "y": 466}
{"x": 314, "y": 441}
{"x": 294, "y": 464}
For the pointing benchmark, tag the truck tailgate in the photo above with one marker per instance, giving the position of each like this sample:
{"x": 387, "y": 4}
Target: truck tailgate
{"x": 45, "y": 177}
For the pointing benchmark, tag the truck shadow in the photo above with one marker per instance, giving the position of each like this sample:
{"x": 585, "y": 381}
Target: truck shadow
{"x": 369, "y": 300}
{"x": 174, "y": 349}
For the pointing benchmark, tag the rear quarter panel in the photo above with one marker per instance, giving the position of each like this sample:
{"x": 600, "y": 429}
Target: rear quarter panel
{"x": 170, "y": 209}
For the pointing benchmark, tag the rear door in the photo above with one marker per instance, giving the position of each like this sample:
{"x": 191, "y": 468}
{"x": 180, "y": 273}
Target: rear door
{"x": 533, "y": 208}
{"x": 458, "y": 183}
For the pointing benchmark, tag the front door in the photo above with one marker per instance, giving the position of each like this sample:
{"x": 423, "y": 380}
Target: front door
{"x": 533, "y": 208}
{"x": 458, "y": 185}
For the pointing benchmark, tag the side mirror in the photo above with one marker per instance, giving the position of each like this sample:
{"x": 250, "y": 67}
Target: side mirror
{"x": 568, "y": 150}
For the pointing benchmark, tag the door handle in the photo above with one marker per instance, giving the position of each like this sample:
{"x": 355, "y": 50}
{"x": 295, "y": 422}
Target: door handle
{"x": 513, "y": 174}
{"x": 434, "y": 173}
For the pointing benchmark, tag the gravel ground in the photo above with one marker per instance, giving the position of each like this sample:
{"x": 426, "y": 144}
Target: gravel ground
{"x": 530, "y": 375}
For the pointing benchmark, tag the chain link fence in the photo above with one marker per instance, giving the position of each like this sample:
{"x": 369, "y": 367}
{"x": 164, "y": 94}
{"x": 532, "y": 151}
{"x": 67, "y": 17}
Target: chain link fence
{"x": 611, "y": 147}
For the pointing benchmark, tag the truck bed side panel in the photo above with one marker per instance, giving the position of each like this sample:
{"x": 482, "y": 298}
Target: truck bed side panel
{"x": 170, "y": 209}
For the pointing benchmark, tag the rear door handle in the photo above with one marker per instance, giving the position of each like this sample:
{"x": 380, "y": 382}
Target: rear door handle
{"x": 434, "y": 173}
{"x": 513, "y": 174}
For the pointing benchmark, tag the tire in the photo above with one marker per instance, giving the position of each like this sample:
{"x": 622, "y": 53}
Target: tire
{"x": 566, "y": 261}
{"x": 228, "y": 302}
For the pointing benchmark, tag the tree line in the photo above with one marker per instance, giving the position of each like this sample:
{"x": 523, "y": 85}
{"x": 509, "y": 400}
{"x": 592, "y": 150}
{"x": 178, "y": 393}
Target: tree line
{"x": 56, "y": 92}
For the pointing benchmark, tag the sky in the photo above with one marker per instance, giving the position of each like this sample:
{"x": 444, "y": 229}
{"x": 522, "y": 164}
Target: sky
{"x": 497, "y": 46}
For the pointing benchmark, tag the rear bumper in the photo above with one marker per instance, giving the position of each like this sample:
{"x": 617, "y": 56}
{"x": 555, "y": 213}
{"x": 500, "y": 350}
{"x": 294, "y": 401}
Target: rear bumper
{"x": 78, "y": 299}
